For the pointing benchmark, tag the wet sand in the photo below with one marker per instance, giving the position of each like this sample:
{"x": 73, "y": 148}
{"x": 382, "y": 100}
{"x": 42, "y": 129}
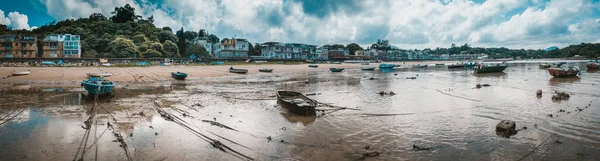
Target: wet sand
{"x": 72, "y": 76}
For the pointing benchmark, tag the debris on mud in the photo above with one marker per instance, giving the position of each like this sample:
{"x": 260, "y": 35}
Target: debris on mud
{"x": 411, "y": 77}
{"x": 561, "y": 96}
{"x": 386, "y": 93}
{"x": 417, "y": 148}
{"x": 506, "y": 128}
{"x": 538, "y": 92}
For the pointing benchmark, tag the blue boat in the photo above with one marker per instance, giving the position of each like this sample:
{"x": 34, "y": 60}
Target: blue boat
{"x": 99, "y": 86}
{"x": 336, "y": 69}
{"x": 48, "y": 63}
{"x": 386, "y": 66}
{"x": 218, "y": 63}
{"x": 179, "y": 75}
{"x": 143, "y": 63}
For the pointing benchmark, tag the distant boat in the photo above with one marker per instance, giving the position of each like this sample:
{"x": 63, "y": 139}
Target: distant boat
{"x": 456, "y": 65}
{"x": 21, "y": 73}
{"x": 560, "y": 72}
{"x": 98, "y": 86}
{"x": 336, "y": 69}
{"x": 108, "y": 64}
{"x": 239, "y": 71}
{"x": 490, "y": 68}
{"x": 266, "y": 70}
{"x": 179, "y": 75}
{"x": 48, "y": 63}
{"x": 396, "y": 65}
{"x": 420, "y": 66}
{"x": 313, "y": 66}
{"x": 99, "y": 74}
{"x": 296, "y": 102}
{"x": 386, "y": 66}
{"x": 592, "y": 65}
{"x": 545, "y": 65}
{"x": 367, "y": 68}
{"x": 364, "y": 63}
{"x": 440, "y": 64}
{"x": 218, "y": 63}
{"x": 336, "y": 62}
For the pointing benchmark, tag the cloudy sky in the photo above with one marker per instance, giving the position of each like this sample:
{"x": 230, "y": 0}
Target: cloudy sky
{"x": 405, "y": 23}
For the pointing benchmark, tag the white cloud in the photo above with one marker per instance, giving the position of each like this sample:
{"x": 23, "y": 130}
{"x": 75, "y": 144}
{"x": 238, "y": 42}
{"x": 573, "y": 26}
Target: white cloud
{"x": 4, "y": 20}
{"x": 406, "y": 24}
{"x": 18, "y": 21}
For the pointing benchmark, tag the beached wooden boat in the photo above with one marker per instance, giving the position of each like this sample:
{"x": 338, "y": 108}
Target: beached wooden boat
{"x": 179, "y": 75}
{"x": 99, "y": 74}
{"x": 336, "y": 69}
{"x": 239, "y": 71}
{"x": 367, "y": 68}
{"x": 98, "y": 86}
{"x": 313, "y": 66}
{"x": 545, "y": 65}
{"x": 21, "y": 73}
{"x": 560, "y": 72}
{"x": 386, "y": 66}
{"x": 266, "y": 70}
{"x": 420, "y": 66}
{"x": 592, "y": 65}
{"x": 296, "y": 102}
{"x": 490, "y": 68}
{"x": 456, "y": 66}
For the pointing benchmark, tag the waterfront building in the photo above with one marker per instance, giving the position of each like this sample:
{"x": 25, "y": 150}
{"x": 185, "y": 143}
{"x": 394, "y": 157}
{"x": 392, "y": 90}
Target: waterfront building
{"x": 231, "y": 48}
{"x": 61, "y": 46}
{"x": 13, "y": 46}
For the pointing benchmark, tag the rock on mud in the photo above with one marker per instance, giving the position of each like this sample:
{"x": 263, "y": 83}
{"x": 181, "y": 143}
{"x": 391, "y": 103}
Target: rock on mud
{"x": 506, "y": 128}
{"x": 561, "y": 96}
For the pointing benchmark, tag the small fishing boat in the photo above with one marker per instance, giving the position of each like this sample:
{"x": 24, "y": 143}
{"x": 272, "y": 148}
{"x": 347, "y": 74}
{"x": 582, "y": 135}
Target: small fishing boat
{"x": 440, "y": 64}
{"x": 218, "y": 63}
{"x": 561, "y": 72}
{"x": 364, "y": 63}
{"x": 592, "y": 65}
{"x": 296, "y": 102}
{"x": 179, "y": 75}
{"x": 336, "y": 62}
{"x": 239, "y": 71}
{"x": 313, "y": 66}
{"x": 420, "y": 66}
{"x": 367, "y": 68}
{"x": 99, "y": 86}
{"x": 21, "y": 73}
{"x": 48, "y": 63}
{"x": 99, "y": 74}
{"x": 386, "y": 66}
{"x": 266, "y": 70}
{"x": 490, "y": 68}
{"x": 456, "y": 66}
{"x": 471, "y": 65}
{"x": 336, "y": 69}
{"x": 396, "y": 65}
{"x": 545, "y": 65}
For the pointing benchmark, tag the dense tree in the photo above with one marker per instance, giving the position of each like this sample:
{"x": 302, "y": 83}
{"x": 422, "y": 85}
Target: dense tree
{"x": 224, "y": 40}
{"x": 254, "y": 50}
{"x": 139, "y": 39}
{"x": 167, "y": 28}
{"x": 151, "y": 53}
{"x": 353, "y": 47}
{"x": 90, "y": 54}
{"x": 202, "y": 33}
{"x": 124, "y": 14}
{"x": 198, "y": 50}
{"x": 97, "y": 17}
{"x": 170, "y": 49}
{"x": 181, "y": 43}
{"x": 124, "y": 48}
{"x": 166, "y": 35}
{"x": 213, "y": 39}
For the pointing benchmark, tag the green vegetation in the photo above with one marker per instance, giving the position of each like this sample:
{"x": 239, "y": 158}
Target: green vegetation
{"x": 587, "y": 50}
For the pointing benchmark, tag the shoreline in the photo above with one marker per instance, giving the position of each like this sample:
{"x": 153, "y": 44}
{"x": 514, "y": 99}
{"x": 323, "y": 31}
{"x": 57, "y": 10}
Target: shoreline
{"x": 147, "y": 76}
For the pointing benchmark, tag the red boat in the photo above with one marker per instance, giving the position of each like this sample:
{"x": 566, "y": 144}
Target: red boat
{"x": 592, "y": 66}
{"x": 560, "y": 72}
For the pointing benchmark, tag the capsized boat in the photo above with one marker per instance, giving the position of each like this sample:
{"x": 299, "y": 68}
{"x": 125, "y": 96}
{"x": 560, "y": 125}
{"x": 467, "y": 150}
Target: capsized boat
{"x": 296, "y": 102}
{"x": 387, "y": 66}
{"x": 179, "y": 75}
{"x": 99, "y": 74}
{"x": 21, "y": 73}
{"x": 99, "y": 86}
{"x": 490, "y": 68}
{"x": 562, "y": 72}
{"x": 266, "y": 70}
{"x": 239, "y": 71}
{"x": 367, "y": 68}
{"x": 336, "y": 69}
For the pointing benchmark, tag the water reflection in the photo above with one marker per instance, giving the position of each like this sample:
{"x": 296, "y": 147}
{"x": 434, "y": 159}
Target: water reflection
{"x": 554, "y": 81}
{"x": 386, "y": 70}
{"x": 293, "y": 118}
{"x": 496, "y": 74}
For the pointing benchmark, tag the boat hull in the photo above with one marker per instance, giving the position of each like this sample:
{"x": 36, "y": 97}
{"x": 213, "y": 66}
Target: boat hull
{"x": 238, "y": 71}
{"x": 386, "y": 66}
{"x": 367, "y": 68}
{"x": 313, "y": 66}
{"x": 179, "y": 75}
{"x": 456, "y": 66}
{"x": 94, "y": 89}
{"x": 336, "y": 69}
{"x": 266, "y": 70}
{"x": 492, "y": 69}
{"x": 21, "y": 73}
{"x": 557, "y": 72}
{"x": 592, "y": 66}
{"x": 307, "y": 107}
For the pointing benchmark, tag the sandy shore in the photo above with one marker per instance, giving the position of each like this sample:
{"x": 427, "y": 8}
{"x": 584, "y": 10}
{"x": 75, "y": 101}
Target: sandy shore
{"x": 72, "y": 76}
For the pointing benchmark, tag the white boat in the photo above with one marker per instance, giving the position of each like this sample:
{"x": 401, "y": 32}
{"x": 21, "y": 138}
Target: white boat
{"x": 99, "y": 74}
{"x": 21, "y": 73}
{"x": 107, "y": 64}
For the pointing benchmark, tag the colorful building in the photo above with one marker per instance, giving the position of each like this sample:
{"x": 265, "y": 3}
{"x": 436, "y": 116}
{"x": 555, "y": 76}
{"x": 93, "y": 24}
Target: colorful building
{"x": 13, "y": 46}
{"x": 293, "y": 51}
{"x": 231, "y": 48}
{"x": 61, "y": 46}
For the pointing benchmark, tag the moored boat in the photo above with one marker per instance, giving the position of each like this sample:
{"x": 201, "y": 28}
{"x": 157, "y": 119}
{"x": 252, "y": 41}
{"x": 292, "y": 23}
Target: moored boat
{"x": 336, "y": 62}
{"x": 440, "y": 64}
{"x": 99, "y": 86}
{"x": 296, "y": 102}
{"x": 313, "y": 66}
{"x": 266, "y": 70}
{"x": 490, "y": 68}
{"x": 367, "y": 68}
{"x": 592, "y": 65}
{"x": 218, "y": 63}
{"x": 420, "y": 66}
{"x": 456, "y": 65}
{"x": 21, "y": 73}
{"x": 239, "y": 71}
{"x": 561, "y": 72}
{"x": 179, "y": 75}
{"x": 99, "y": 74}
{"x": 336, "y": 69}
{"x": 545, "y": 65}
{"x": 386, "y": 66}
{"x": 48, "y": 63}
